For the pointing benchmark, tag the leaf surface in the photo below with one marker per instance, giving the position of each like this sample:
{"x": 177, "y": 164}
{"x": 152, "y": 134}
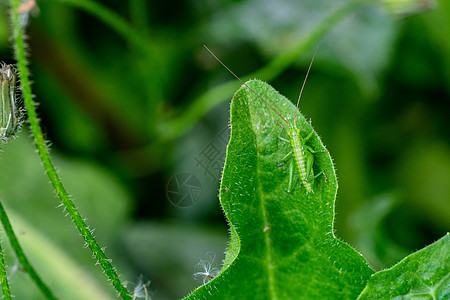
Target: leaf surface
{"x": 282, "y": 245}
{"x": 424, "y": 274}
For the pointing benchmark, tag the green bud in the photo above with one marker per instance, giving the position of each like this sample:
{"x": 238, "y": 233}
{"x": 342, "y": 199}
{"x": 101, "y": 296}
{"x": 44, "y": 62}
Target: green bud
{"x": 9, "y": 112}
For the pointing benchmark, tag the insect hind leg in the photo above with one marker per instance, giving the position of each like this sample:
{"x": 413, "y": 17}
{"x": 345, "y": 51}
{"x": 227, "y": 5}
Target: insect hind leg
{"x": 286, "y": 156}
{"x": 309, "y": 135}
{"x": 311, "y": 179}
{"x": 291, "y": 177}
{"x": 314, "y": 151}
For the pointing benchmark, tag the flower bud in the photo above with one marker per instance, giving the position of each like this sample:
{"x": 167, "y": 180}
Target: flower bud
{"x": 9, "y": 111}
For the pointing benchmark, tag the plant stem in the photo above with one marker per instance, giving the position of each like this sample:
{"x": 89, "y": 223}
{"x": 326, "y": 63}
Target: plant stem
{"x": 23, "y": 260}
{"x": 173, "y": 128}
{"x": 3, "y": 276}
{"x": 116, "y": 22}
{"x": 19, "y": 49}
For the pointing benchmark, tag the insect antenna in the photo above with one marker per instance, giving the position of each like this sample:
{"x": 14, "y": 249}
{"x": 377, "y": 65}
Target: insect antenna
{"x": 309, "y": 68}
{"x": 237, "y": 77}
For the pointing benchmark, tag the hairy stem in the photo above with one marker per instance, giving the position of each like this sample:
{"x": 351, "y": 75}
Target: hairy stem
{"x": 3, "y": 277}
{"x": 20, "y": 52}
{"x": 23, "y": 260}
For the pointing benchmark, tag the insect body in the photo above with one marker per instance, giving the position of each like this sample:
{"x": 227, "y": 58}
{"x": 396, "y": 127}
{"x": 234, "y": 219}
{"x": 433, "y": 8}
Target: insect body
{"x": 302, "y": 153}
{"x": 304, "y": 158}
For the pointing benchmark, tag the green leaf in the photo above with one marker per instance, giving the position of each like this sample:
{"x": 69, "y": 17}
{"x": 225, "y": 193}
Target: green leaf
{"x": 421, "y": 275}
{"x": 282, "y": 244}
{"x": 51, "y": 242}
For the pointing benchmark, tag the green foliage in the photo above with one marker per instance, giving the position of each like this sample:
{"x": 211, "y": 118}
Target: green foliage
{"x": 55, "y": 250}
{"x": 424, "y": 274}
{"x": 281, "y": 242}
{"x": 127, "y": 98}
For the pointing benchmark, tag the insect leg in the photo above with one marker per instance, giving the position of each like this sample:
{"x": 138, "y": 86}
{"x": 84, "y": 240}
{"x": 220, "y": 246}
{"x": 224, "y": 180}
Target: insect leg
{"x": 309, "y": 165}
{"x": 283, "y": 139}
{"x": 308, "y": 147}
{"x": 309, "y": 158}
{"x": 314, "y": 151}
{"x": 314, "y": 177}
{"x": 291, "y": 176}
{"x": 291, "y": 167}
{"x": 309, "y": 135}
{"x": 286, "y": 156}
{"x": 309, "y": 168}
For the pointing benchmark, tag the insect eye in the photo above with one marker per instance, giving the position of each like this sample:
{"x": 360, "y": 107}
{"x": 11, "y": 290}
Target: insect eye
{"x": 9, "y": 112}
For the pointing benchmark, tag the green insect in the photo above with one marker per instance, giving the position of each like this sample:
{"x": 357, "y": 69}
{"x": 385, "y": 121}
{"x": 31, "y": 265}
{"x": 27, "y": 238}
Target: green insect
{"x": 9, "y": 111}
{"x": 302, "y": 153}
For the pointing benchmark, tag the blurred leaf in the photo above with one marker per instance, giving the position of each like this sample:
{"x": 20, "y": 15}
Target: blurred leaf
{"x": 401, "y": 8}
{"x": 167, "y": 254}
{"x": 276, "y": 26}
{"x": 437, "y": 23}
{"x": 426, "y": 181}
{"x": 93, "y": 188}
{"x": 73, "y": 121}
{"x": 65, "y": 276}
{"x": 364, "y": 52}
{"x": 4, "y": 28}
{"x": 281, "y": 242}
{"x": 424, "y": 274}
{"x": 24, "y": 188}
{"x": 273, "y": 26}
{"x": 370, "y": 235}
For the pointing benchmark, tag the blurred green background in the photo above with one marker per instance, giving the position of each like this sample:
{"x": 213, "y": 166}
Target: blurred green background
{"x": 138, "y": 126}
